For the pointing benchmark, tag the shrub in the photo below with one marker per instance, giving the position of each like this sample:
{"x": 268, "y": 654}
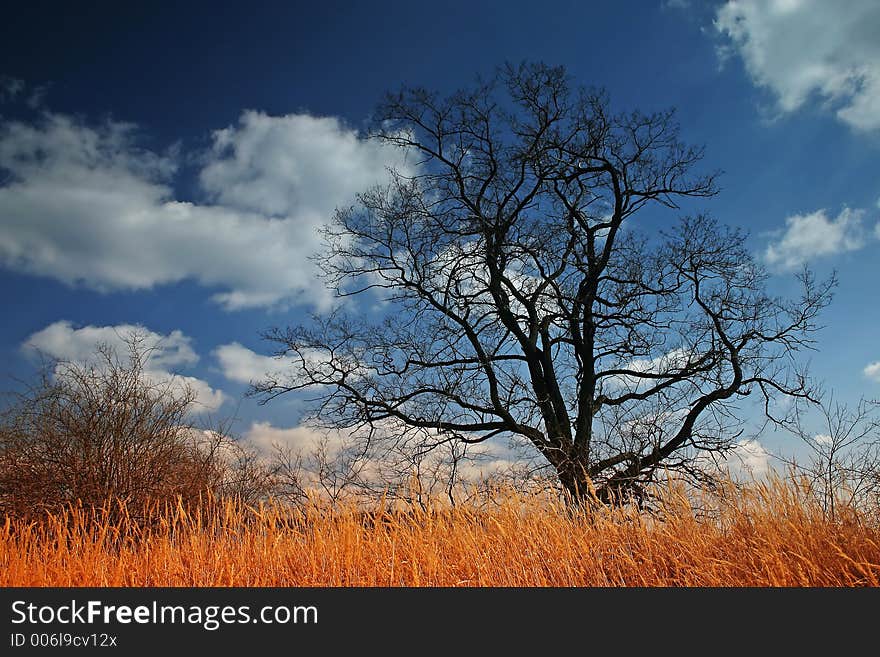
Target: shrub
{"x": 87, "y": 433}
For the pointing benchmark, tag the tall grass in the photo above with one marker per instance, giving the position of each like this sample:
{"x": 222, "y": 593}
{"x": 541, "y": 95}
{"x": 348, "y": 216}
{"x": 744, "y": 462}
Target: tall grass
{"x": 763, "y": 535}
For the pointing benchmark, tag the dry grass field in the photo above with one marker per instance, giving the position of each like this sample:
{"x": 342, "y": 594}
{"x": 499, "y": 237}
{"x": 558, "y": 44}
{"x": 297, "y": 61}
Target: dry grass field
{"x": 762, "y": 535}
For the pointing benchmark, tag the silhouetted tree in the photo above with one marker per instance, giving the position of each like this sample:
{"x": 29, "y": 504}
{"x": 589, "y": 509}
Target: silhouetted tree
{"x": 523, "y": 298}
{"x": 844, "y": 441}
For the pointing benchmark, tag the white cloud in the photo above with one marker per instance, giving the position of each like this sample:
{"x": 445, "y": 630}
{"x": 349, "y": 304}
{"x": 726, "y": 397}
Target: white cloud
{"x": 206, "y": 397}
{"x": 748, "y": 459}
{"x": 86, "y": 206}
{"x": 265, "y": 437}
{"x": 812, "y": 235}
{"x": 822, "y": 439}
{"x": 801, "y": 48}
{"x": 61, "y": 341}
{"x": 242, "y": 365}
{"x": 378, "y": 465}
{"x": 872, "y": 371}
{"x": 294, "y": 165}
{"x": 668, "y": 362}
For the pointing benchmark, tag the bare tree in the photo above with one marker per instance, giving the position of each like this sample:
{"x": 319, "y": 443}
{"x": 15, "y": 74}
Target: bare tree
{"x": 523, "y": 299}
{"x": 351, "y": 468}
{"x": 107, "y": 430}
{"x": 844, "y": 441}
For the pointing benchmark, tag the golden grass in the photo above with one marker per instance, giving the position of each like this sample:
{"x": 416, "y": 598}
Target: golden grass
{"x": 764, "y": 535}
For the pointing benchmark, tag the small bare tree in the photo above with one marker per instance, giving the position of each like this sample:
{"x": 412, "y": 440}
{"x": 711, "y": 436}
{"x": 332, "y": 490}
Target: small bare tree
{"x": 349, "y": 469}
{"x": 527, "y": 298}
{"x": 106, "y": 430}
{"x": 844, "y": 442}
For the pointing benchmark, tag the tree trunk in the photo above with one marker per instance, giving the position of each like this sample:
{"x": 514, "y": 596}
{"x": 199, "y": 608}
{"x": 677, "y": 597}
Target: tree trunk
{"x": 580, "y": 490}
{"x": 573, "y": 476}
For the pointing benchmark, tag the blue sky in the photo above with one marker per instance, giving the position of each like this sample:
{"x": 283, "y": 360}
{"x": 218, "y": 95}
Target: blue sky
{"x": 165, "y": 165}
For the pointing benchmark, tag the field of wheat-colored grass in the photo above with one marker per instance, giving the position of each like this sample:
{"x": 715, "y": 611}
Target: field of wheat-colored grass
{"x": 762, "y": 535}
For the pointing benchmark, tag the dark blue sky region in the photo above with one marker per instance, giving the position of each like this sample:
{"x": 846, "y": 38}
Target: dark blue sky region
{"x": 785, "y": 96}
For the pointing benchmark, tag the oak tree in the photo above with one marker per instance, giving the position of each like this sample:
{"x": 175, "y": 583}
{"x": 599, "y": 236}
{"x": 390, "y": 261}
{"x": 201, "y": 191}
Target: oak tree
{"x": 534, "y": 285}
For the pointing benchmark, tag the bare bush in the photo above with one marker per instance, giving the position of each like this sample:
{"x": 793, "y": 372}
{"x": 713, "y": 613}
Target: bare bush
{"x": 106, "y": 430}
{"x": 844, "y": 441}
{"x": 341, "y": 469}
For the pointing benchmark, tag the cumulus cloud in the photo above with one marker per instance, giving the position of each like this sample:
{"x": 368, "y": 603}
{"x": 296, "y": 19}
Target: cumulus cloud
{"x": 814, "y": 235}
{"x": 85, "y": 205}
{"x": 265, "y": 437}
{"x": 164, "y": 353}
{"x": 374, "y": 464}
{"x": 292, "y": 165}
{"x": 747, "y": 459}
{"x": 60, "y": 340}
{"x": 799, "y": 49}
{"x": 669, "y": 362}
{"x": 872, "y": 371}
{"x": 243, "y": 365}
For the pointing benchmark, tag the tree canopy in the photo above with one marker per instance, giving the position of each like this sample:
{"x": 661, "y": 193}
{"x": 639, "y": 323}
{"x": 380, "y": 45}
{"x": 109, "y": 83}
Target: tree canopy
{"x": 531, "y": 289}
